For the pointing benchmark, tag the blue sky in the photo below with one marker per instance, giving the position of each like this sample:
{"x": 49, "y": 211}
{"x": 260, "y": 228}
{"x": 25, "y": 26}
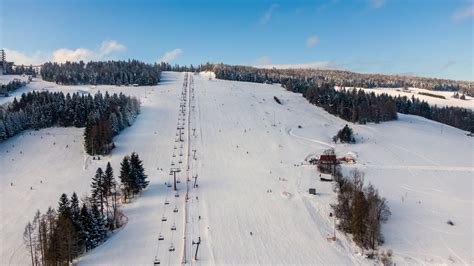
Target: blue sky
{"x": 427, "y": 38}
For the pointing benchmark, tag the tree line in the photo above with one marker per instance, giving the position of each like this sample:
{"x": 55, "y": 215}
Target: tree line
{"x": 60, "y": 235}
{"x": 13, "y": 85}
{"x": 103, "y": 115}
{"x": 351, "y": 105}
{"x": 337, "y": 78}
{"x": 129, "y": 72}
{"x": 22, "y": 70}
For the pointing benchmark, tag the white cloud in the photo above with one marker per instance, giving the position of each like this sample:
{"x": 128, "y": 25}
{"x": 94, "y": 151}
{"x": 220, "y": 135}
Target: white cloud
{"x": 264, "y": 60}
{"x": 312, "y": 41}
{"x": 377, "y": 3}
{"x": 111, "y": 46}
{"x": 464, "y": 13}
{"x": 171, "y": 55}
{"x": 268, "y": 14}
{"x": 310, "y": 65}
{"x": 62, "y": 55}
{"x": 20, "y": 58}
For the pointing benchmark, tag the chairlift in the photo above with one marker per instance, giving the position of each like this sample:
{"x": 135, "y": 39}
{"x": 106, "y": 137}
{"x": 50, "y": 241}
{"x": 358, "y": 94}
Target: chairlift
{"x": 167, "y": 202}
{"x": 169, "y": 185}
{"x": 156, "y": 261}
{"x": 163, "y": 219}
{"x": 174, "y": 155}
{"x": 175, "y": 209}
{"x": 176, "y": 195}
{"x": 161, "y": 237}
{"x": 172, "y": 163}
{"x": 173, "y": 227}
{"x": 171, "y": 248}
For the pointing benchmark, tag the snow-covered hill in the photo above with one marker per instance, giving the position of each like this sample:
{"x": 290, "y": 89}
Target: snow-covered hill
{"x": 448, "y": 100}
{"x": 252, "y": 196}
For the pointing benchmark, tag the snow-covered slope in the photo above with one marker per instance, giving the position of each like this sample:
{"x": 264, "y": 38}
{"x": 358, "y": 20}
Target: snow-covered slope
{"x": 5, "y": 79}
{"x": 252, "y": 196}
{"x": 409, "y": 92}
{"x": 36, "y": 156}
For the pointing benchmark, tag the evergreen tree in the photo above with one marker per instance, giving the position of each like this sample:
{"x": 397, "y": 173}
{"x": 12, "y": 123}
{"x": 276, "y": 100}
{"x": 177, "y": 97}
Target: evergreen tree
{"x": 125, "y": 177}
{"x": 109, "y": 184}
{"x": 100, "y": 228}
{"x": 99, "y": 192}
{"x": 137, "y": 173}
{"x": 345, "y": 135}
{"x": 87, "y": 222}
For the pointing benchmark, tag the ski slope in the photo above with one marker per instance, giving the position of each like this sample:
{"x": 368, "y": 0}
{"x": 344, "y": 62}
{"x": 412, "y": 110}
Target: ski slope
{"x": 33, "y": 156}
{"x": 251, "y": 205}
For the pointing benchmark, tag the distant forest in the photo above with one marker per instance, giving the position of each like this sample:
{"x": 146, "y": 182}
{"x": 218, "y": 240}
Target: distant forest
{"x": 352, "y": 105}
{"x": 337, "y": 78}
{"x": 102, "y": 73}
{"x": 103, "y": 116}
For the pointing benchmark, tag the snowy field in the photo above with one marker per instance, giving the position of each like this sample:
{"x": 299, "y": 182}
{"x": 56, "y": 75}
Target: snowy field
{"x": 5, "y": 79}
{"x": 448, "y": 101}
{"x": 35, "y": 156}
{"x": 252, "y": 204}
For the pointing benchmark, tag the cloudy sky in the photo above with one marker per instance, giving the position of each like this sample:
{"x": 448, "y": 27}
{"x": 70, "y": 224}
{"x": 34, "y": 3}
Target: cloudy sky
{"x": 424, "y": 37}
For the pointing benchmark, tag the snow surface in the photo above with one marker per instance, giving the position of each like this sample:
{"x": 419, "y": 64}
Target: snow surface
{"x": 253, "y": 182}
{"x": 5, "y": 79}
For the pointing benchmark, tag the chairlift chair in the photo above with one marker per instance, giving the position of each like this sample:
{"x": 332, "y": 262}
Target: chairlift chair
{"x": 171, "y": 248}
{"x": 167, "y": 202}
{"x": 175, "y": 209}
{"x": 156, "y": 261}
{"x": 173, "y": 227}
{"x": 161, "y": 237}
{"x": 163, "y": 219}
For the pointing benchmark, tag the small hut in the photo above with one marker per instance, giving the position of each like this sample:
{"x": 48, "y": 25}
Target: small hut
{"x": 327, "y": 163}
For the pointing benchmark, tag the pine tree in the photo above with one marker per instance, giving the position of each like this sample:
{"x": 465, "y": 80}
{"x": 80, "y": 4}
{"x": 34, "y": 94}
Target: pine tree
{"x": 87, "y": 226}
{"x": 75, "y": 209}
{"x": 100, "y": 228}
{"x": 65, "y": 232}
{"x": 109, "y": 184}
{"x": 98, "y": 189}
{"x": 64, "y": 209}
{"x": 125, "y": 176}
{"x": 138, "y": 173}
